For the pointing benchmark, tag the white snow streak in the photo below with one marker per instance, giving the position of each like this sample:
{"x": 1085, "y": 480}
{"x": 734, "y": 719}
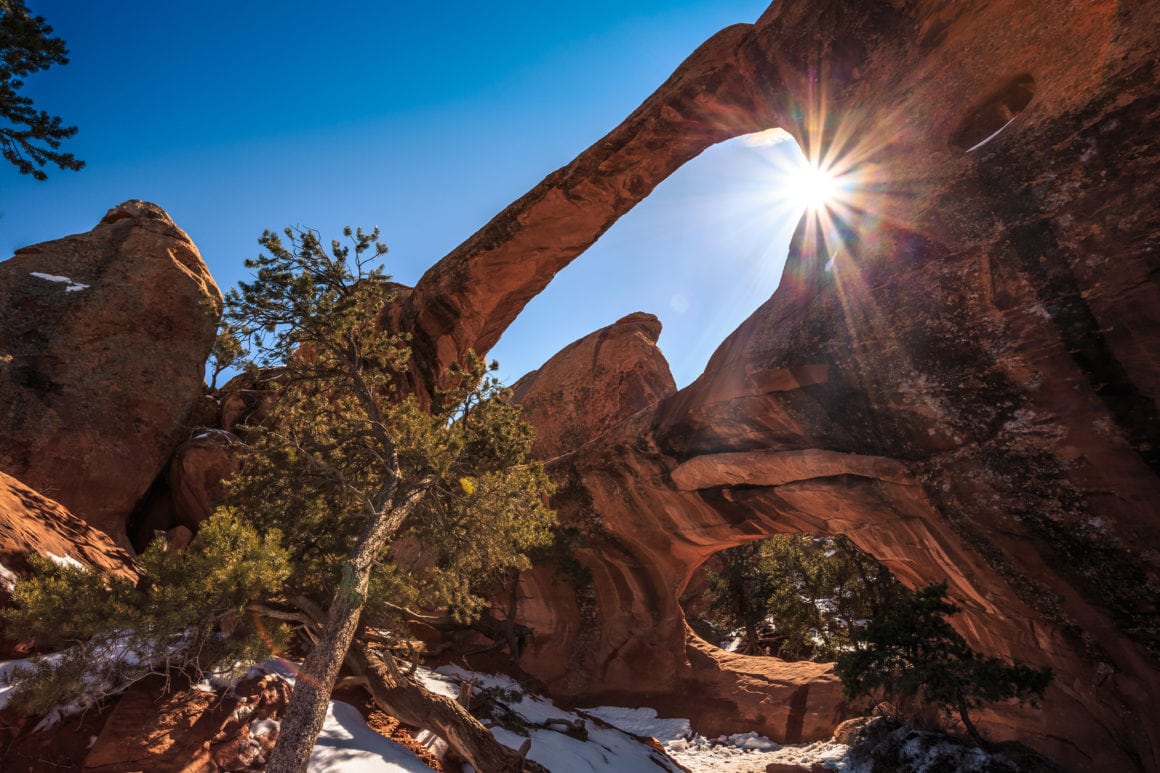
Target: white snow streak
{"x": 66, "y": 561}
{"x": 72, "y": 286}
{"x": 8, "y": 578}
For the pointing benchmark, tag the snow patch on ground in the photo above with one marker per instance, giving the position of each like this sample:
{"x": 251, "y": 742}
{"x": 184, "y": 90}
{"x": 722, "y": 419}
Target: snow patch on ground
{"x": 347, "y": 744}
{"x": 621, "y": 748}
{"x": 605, "y": 749}
{"x": 616, "y": 736}
{"x": 71, "y": 287}
{"x": 738, "y": 753}
{"x": 643, "y": 722}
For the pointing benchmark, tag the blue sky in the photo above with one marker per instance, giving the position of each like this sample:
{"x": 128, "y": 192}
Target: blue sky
{"x": 423, "y": 119}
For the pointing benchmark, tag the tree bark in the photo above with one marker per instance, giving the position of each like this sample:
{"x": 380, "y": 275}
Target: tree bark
{"x": 970, "y": 726}
{"x": 307, "y": 710}
{"x": 413, "y": 705}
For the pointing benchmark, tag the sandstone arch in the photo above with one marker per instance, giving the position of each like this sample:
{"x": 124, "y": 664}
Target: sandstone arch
{"x": 970, "y": 394}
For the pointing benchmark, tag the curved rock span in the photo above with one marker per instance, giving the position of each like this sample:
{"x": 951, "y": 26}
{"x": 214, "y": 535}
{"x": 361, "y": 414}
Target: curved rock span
{"x": 957, "y": 369}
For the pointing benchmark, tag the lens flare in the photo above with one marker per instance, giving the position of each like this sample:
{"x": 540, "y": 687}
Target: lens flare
{"x": 814, "y": 187}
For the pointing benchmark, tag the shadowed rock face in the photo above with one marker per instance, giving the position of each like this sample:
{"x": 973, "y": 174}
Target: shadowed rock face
{"x": 103, "y": 342}
{"x": 968, "y": 389}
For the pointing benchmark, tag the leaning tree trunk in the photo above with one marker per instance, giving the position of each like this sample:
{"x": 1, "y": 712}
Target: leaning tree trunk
{"x": 307, "y": 710}
{"x": 970, "y": 726}
{"x": 413, "y": 705}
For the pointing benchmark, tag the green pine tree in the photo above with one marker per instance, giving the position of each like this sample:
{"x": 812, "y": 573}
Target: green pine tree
{"x": 387, "y": 501}
{"x": 813, "y": 591}
{"x": 185, "y": 612}
{"x": 32, "y": 137}
{"x": 389, "y": 507}
{"x": 911, "y": 651}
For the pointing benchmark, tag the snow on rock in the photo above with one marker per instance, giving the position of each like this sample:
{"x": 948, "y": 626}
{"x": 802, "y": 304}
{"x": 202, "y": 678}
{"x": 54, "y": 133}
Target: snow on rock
{"x": 751, "y": 741}
{"x": 643, "y": 722}
{"x": 72, "y": 286}
{"x": 606, "y": 748}
{"x": 66, "y": 561}
{"x": 8, "y": 578}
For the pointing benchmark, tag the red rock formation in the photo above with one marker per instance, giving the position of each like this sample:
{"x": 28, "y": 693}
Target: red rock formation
{"x": 961, "y": 378}
{"x": 593, "y": 384}
{"x": 470, "y": 297}
{"x": 32, "y": 523}
{"x": 103, "y": 341}
{"x": 616, "y": 590}
{"x": 155, "y": 726}
{"x": 191, "y": 487}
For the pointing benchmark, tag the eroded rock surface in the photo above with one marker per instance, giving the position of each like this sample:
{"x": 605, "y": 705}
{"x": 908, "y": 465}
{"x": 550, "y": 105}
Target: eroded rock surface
{"x": 186, "y": 728}
{"x": 31, "y": 523}
{"x": 191, "y": 487}
{"x": 103, "y": 342}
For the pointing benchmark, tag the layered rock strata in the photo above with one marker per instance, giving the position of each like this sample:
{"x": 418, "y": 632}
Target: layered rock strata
{"x": 33, "y": 524}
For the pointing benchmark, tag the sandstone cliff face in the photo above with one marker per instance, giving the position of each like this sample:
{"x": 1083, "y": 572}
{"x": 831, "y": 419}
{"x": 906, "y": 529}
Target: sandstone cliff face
{"x": 961, "y": 376}
{"x": 103, "y": 342}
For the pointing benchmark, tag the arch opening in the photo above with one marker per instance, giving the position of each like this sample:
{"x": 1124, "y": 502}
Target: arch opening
{"x": 704, "y": 249}
{"x": 791, "y": 596}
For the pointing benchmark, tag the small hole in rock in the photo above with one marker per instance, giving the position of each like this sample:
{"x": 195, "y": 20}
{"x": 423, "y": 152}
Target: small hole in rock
{"x": 994, "y": 114}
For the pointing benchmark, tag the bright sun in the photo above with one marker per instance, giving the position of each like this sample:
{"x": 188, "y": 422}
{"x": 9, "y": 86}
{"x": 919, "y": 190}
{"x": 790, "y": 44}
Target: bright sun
{"x": 814, "y": 187}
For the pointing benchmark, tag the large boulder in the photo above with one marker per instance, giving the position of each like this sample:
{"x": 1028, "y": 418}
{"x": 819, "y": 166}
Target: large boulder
{"x": 103, "y": 342}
